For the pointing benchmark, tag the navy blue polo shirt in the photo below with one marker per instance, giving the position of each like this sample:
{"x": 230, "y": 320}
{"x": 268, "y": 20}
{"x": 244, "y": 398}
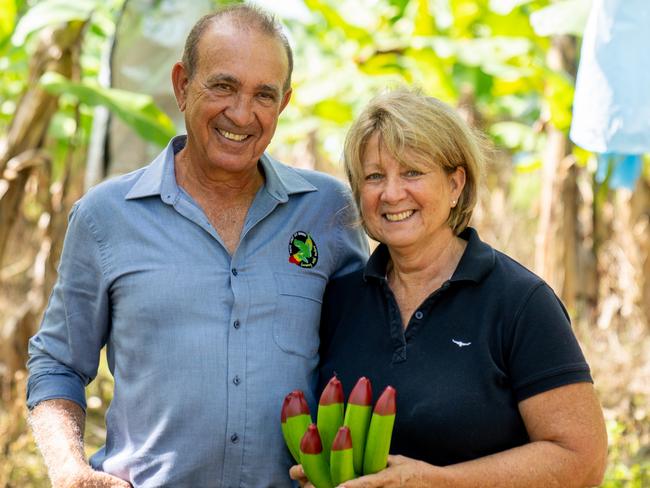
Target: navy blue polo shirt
{"x": 491, "y": 336}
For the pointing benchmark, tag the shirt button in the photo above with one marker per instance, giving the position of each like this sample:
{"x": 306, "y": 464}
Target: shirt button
{"x": 236, "y": 324}
{"x": 234, "y": 438}
{"x": 236, "y": 380}
{"x": 234, "y": 271}
{"x": 419, "y": 315}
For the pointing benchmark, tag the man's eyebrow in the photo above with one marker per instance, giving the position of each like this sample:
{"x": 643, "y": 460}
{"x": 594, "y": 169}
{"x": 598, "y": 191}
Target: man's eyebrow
{"x": 265, "y": 87}
{"x": 222, "y": 78}
{"x": 226, "y": 78}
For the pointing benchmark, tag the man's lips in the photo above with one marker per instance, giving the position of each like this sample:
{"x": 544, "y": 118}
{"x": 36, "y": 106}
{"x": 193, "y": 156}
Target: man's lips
{"x": 231, "y": 136}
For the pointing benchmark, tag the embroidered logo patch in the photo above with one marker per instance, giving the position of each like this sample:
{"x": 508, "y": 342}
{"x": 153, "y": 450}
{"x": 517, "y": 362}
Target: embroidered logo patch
{"x": 302, "y": 250}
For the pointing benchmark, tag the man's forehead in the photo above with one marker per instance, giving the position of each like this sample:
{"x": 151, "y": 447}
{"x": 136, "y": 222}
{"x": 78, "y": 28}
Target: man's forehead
{"x": 229, "y": 33}
{"x": 228, "y": 28}
{"x": 221, "y": 43}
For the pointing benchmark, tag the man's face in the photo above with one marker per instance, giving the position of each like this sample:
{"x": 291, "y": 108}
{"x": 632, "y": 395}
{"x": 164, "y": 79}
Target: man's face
{"x": 233, "y": 101}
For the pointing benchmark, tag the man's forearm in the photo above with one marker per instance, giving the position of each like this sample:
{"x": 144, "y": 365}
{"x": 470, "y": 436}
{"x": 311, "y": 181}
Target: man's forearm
{"x": 58, "y": 427}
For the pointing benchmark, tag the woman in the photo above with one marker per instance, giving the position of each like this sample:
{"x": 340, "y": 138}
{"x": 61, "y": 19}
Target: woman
{"x": 492, "y": 387}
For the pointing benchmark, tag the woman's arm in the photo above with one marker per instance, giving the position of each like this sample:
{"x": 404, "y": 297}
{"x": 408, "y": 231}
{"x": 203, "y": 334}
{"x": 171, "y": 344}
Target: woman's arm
{"x": 568, "y": 448}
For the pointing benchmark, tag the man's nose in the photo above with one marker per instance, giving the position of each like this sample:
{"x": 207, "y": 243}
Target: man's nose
{"x": 240, "y": 111}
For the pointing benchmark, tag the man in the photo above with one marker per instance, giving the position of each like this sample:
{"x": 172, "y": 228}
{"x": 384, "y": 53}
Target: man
{"x": 202, "y": 273}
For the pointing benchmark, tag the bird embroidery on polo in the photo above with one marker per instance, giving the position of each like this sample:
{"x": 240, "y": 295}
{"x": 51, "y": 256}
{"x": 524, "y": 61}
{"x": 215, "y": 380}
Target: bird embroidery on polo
{"x": 302, "y": 250}
{"x": 460, "y": 343}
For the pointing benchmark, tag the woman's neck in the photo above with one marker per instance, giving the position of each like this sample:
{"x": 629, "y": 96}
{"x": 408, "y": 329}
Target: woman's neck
{"x": 435, "y": 264}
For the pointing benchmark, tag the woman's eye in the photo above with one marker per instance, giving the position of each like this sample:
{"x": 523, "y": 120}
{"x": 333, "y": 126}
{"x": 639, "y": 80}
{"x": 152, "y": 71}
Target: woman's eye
{"x": 373, "y": 176}
{"x": 412, "y": 173}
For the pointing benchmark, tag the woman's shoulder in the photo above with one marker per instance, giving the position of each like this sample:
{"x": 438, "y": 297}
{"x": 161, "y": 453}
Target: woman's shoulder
{"x": 346, "y": 282}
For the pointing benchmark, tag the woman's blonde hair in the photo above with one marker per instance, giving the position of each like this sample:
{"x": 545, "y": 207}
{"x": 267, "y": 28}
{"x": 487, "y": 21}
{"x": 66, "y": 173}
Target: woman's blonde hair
{"x": 406, "y": 119}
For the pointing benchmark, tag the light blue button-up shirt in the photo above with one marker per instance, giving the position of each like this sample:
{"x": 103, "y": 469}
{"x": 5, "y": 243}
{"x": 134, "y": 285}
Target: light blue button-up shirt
{"x": 203, "y": 346}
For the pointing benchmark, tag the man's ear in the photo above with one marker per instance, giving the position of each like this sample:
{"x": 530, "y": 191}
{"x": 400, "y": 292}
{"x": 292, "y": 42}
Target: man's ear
{"x": 180, "y": 81}
{"x": 285, "y": 99}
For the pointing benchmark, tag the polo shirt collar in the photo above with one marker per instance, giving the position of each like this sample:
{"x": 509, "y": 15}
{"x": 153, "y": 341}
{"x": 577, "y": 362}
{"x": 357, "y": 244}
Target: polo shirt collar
{"x": 158, "y": 177}
{"x": 476, "y": 263}
{"x": 478, "y": 258}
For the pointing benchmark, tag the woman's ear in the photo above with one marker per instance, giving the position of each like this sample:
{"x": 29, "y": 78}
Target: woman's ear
{"x": 457, "y": 183}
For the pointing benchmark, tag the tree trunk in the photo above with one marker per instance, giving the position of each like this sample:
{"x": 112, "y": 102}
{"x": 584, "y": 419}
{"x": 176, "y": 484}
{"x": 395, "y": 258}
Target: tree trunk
{"x": 557, "y": 240}
{"x": 58, "y": 51}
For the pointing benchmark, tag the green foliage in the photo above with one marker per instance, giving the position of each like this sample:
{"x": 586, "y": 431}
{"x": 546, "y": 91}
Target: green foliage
{"x": 138, "y": 111}
{"x": 51, "y": 12}
{"x": 564, "y": 17}
{"x": 449, "y": 48}
{"x": 18, "y": 31}
{"x": 7, "y": 19}
{"x": 628, "y": 466}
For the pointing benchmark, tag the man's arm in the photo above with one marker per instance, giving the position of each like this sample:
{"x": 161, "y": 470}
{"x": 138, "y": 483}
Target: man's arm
{"x": 58, "y": 427}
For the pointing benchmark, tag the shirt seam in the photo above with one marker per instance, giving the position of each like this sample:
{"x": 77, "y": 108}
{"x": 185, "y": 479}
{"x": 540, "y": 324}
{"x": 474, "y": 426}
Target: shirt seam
{"x": 520, "y": 310}
{"x": 339, "y": 234}
{"x": 104, "y": 264}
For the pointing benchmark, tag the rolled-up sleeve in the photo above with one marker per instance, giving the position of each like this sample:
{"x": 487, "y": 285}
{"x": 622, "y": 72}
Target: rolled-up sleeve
{"x": 64, "y": 354}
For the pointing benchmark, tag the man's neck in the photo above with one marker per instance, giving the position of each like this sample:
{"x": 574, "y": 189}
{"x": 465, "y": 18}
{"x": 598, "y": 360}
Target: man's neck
{"x": 215, "y": 186}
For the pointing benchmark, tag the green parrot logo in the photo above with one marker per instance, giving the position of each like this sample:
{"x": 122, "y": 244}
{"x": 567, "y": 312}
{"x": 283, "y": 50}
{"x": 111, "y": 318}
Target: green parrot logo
{"x": 302, "y": 250}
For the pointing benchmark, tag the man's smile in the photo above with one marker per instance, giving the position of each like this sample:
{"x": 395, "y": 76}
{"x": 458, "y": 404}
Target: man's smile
{"x": 231, "y": 136}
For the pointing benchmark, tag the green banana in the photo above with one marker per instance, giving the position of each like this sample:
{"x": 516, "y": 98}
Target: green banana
{"x": 313, "y": 459}
{"x": 342, "y": 457}
{"x": 330, "y": 413}
{"x": 357, "y": 418}
{"x": 380, "y": 432}
{"x": 285, "y": 429}
{"x": 297, "y": 421}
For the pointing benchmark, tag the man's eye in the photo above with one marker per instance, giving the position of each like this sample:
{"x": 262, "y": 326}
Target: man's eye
{"x": 222, "y": 87}
{"x": 267, "y": 97}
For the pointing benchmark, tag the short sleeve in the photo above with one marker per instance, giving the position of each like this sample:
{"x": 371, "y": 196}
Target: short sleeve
{"x": 543, "y": 351}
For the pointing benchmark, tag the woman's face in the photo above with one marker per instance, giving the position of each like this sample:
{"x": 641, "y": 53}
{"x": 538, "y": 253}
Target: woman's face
{"x": 404, "y": 208}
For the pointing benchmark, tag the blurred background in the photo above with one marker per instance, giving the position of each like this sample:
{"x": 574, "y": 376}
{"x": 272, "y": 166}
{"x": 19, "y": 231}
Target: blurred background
{"x": 561, "y": 87}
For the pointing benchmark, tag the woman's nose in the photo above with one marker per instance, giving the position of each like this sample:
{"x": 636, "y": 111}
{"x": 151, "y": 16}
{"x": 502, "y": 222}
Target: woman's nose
{"x": 393, "y": 189}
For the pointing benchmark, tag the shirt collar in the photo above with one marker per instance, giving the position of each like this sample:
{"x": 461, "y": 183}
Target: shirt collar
{"x": 477, "y": 260}
{"x": 158, "y": 177}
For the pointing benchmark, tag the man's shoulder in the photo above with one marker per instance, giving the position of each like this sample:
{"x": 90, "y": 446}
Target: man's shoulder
{"x": 110, "y": 191}
{"x": 318, "y": 179}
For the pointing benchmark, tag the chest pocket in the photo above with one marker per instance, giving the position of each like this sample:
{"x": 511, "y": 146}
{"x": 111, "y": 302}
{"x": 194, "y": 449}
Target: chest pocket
{"x": 295, "y": 329}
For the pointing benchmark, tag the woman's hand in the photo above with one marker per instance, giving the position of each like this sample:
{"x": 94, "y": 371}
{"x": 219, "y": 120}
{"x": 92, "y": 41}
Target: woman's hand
{"x": 297, "y": 473}
{"x": 400, "y": 472}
